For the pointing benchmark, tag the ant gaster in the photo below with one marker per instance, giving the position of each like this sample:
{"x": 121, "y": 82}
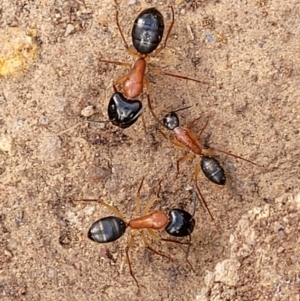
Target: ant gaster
{"x": 186, "y": 138}
{"x": 179, "y": 223}
{"x": 147, "y": 33}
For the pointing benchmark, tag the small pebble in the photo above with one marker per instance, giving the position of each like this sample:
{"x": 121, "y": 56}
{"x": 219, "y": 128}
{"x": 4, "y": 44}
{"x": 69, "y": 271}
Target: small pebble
{"x": 69, "y": 30}
{"x": 88, "y": 111}
{"x": 44, "y": 120}
{"x": 5, "y": 143}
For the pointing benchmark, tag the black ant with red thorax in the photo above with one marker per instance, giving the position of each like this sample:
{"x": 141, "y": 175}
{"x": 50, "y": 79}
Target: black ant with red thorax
{"x": 178, "y": 223}
{"x": 147, "y": 32}
{"x": 186, "y": 138}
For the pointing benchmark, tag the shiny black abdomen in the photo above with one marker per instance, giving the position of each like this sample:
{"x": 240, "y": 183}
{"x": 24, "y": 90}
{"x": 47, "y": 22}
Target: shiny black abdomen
{"x": 123, "y": 112}
{"x": 147, "y": 31}
{"x": 213, "y": 170}
{"x": 181, "y": 223}
{"x": 107, "y": 229}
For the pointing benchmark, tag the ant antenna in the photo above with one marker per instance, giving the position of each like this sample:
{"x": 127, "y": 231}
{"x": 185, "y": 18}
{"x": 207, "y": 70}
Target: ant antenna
{"x": 181, "y": 109}
{"x": 97, "y": 121}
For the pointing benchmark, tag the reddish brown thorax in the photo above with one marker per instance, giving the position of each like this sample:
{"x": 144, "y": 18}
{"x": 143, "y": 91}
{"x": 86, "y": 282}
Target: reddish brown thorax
{"x": 133, "y": 85}
{"x": 155, "y": 220}
{"x": 183, "y": 136}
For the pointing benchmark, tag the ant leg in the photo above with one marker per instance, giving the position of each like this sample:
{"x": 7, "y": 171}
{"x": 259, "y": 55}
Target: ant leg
{"x": 175, "y": 241}
{"x": 235, "y": 156}
{"x": 152, "y": 201}
{"x": 197, "y": 169}
{"x": 164, "y": 44}
{"x": 170, "y": 28}
{"x": 205, "y": 125}
{"x": 193, "y": 135}
{"x": 130, "y": 244}
{"x": 147, "y": 83}
{"x": 111, "y": 208}
{"x": 177, "y": 143}
{"x": 120, "y": 80}
{"x": 164, "y": 135}
{"x": 150, "y": 248}
{"x": 160, "y": 72}
{"x": 158, "y": 188}
{"x": 129, "y": 49}
{"x": 211, "y": 150}
{"x": 120, "y": 30}
{"x": 138, "y": 199}
{"x": 181, "y": 243}
{"x": 154, "y": 234}
{"x": 182, "y": 159}
{"x": 192, "y": 123}
{"x": 116, "y": 63}
{"x": 144, "y": 124}
{"x": 174, "y": 142}
{"x": 148, "y": 206}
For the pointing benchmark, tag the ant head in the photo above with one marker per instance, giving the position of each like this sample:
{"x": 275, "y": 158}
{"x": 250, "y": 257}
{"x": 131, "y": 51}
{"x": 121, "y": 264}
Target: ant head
{"x": 181, "y": 223}
{"x": 123, "y": 112}
{"x": 171, "y": 121}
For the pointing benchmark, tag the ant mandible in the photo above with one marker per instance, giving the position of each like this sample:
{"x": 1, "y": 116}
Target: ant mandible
{"x": 186, "y": 138}
{"x": 147, "y": 33}
{"x": 179, "y": 223}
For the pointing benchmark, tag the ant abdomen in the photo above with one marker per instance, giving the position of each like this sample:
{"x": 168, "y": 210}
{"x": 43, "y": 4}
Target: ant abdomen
{"x": 147, "y": 31}
{"x": 107, "y": 229}
{"x": 213, "y": 170}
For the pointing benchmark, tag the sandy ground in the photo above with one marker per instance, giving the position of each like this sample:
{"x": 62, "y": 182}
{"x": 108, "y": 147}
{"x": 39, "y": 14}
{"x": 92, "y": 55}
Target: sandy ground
{"x": 246, "y": 53}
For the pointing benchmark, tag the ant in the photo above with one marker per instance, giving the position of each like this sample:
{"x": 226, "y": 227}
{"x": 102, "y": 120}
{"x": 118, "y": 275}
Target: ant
{"x": 179, "y": 223}
{"x": 147, "y": 33}
{"x": 186, "y": 138}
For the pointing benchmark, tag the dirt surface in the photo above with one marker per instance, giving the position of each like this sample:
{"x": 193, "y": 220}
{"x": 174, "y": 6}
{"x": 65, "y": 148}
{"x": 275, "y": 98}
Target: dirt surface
{"x": 246, "y": 53}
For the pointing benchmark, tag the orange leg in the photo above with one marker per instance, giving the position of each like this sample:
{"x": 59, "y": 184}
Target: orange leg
{"x": 111, "y": 208}
{"x": 121, "y": 79}
{"x": 138, "y": 204}
{"x": 164, "y": 135}
{"x": 160, "y": 72}
{"x": 210, "y": 151}
{"x": 182, "y": 159}
{"x": 148, "y": 206}
{"x": 203, "y": 128}
{"x": 197, "y": 169}
{"x": 192, "y": 123}
{"x": 130, "y": 244}
{"x": 235, "y": 156}
{"x": 128, "y": 65}
{"x": 150, "y": 248}
{"x": 177, "y": 143}
{"x": 147, "y": 84}
{"x": 194, "y": 137}
{"x": 153, "y": 234}
{"x": 129, "y": 49}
